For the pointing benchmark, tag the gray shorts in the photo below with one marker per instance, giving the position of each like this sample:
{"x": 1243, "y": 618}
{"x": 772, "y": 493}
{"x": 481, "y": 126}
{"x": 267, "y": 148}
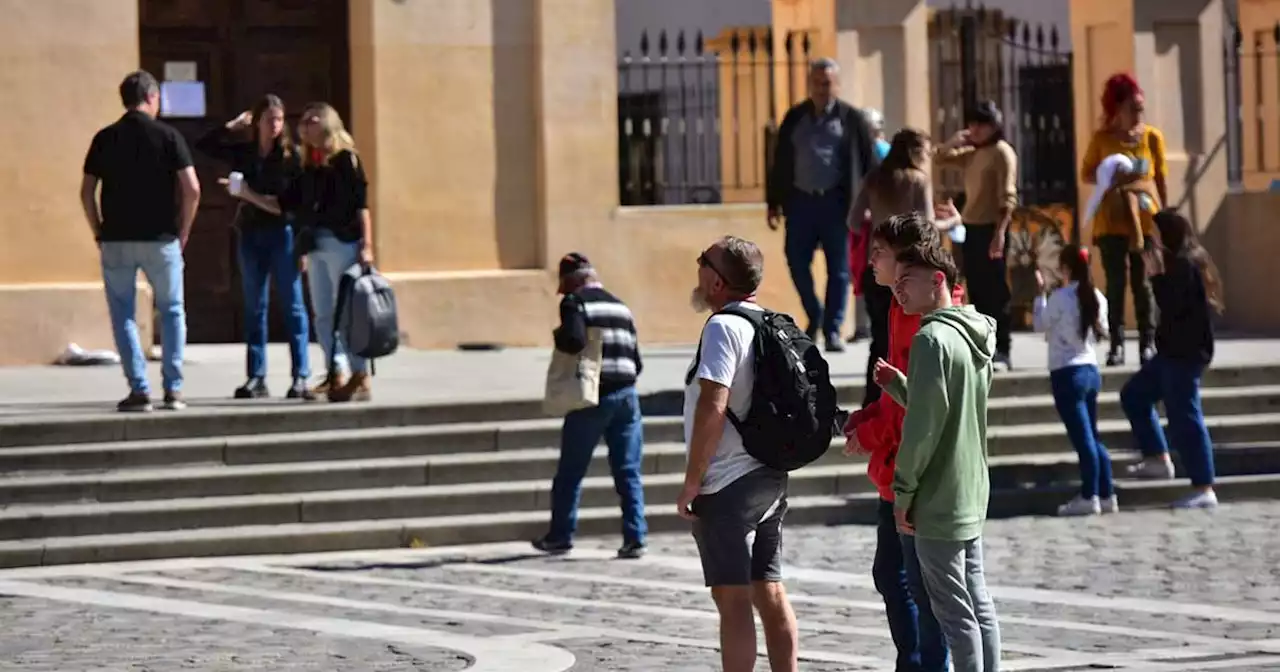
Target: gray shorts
{"x": 739, "y": 529}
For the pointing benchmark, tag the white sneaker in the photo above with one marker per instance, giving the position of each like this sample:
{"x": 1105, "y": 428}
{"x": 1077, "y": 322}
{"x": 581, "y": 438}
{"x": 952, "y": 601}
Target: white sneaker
{"x": 1109, "y": 505}
{"x": 1198, "y": 500}
{"x": 1079, "y": 506}
{"x": 1151, "y": 468}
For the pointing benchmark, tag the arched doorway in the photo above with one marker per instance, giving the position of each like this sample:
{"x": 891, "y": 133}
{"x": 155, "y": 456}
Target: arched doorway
{"x": 241, "y": 49}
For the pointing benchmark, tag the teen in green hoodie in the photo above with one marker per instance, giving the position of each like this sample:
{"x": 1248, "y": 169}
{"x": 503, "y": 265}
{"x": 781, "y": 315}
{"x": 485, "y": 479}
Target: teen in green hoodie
{"x": 941, "y": 485}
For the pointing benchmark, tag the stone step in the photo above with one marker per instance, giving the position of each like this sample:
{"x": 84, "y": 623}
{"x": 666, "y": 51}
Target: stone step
{"x": 439, "y": 439}
{"x": 214, "y": 418}
{"x": 480, "y": 467}
{"x": 1054, "y": 470}
{"x": 495, "y": 527}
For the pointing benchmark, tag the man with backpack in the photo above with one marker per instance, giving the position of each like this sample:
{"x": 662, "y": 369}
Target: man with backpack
{"x": 758, "y": 402}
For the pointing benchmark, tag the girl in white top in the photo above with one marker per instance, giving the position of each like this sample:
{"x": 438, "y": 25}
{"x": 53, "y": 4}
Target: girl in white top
{"x": 1073, "y": 319}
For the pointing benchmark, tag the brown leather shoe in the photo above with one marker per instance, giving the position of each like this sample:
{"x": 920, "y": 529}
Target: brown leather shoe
{"x": 331, "y": 382}
{"x": 356, "y": 389}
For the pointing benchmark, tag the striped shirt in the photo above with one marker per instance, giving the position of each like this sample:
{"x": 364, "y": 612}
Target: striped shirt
{"x": 594, "y": 307}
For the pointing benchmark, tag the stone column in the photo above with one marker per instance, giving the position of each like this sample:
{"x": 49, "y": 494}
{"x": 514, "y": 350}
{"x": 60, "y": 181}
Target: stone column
{"x": 882, "y": 47}
{"x": 577, "y": 86}
{"x": 1178, "y": 59}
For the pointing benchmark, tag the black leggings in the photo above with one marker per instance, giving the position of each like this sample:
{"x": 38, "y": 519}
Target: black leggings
{"x": 986, "y": 280}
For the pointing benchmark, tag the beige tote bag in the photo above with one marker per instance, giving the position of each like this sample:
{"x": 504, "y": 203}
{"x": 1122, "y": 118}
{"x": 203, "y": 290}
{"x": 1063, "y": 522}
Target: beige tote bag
{"x": 573, "y": 381}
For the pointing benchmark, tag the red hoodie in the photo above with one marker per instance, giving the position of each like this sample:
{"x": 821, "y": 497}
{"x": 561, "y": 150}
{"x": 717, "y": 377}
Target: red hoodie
{"x": 879, "y": 425}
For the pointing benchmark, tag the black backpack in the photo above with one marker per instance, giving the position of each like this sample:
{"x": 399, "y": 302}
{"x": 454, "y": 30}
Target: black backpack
{"x": 793, "y": 415}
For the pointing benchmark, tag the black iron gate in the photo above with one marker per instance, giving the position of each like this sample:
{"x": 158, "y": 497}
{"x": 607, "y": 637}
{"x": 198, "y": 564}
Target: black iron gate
{"x": 979, "y": 54}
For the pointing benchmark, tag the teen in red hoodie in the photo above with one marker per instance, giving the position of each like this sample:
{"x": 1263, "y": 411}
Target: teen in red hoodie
{"x": 877, "y": 430}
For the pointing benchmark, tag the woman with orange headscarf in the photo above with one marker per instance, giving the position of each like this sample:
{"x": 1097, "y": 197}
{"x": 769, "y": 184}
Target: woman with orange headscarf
{"x": 1134, "y": 189}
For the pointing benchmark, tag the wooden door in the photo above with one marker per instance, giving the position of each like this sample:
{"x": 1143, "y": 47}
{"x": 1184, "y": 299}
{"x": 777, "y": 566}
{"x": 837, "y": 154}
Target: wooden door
{"x": 296, "y": 49}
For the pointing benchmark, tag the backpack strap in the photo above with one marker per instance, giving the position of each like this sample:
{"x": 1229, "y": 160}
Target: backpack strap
{"x": 755, "y": 317}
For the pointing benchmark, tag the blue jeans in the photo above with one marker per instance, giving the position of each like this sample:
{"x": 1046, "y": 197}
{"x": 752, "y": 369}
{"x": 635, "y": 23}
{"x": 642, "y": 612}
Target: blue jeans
{"x": 267, "y": 253}
{"x": 933, "y": 654}
{"x": 814, "y": 221}
{"x": 617, "y": 419}
{"x": 162, "y": 265}
{"x": 327, "y": 263}
{"x": 1075, "y": 394}
{"x": 1177, "y": 384}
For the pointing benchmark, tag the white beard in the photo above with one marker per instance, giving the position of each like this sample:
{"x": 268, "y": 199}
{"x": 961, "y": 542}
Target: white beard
{"x": 698, "y": 301}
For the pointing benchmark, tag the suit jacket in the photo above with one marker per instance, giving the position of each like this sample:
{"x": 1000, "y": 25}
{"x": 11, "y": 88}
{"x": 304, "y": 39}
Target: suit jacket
{"x": 857, "y": 151}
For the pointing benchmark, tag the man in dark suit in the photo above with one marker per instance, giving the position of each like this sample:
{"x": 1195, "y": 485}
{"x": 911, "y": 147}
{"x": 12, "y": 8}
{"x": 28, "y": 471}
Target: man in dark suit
{"x": 825, "y": 147}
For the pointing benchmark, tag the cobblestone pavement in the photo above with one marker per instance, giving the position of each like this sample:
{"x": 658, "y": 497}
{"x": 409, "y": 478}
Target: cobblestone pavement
{"x": 1158, "y": 591}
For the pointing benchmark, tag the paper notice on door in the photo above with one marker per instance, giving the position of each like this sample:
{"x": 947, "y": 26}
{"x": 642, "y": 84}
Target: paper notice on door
{"x": 182, "y": 100}
{"x": 180, "y": 71}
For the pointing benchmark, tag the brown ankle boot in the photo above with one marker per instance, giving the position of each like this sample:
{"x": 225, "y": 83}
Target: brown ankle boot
{"x": 356, "y": 389}
{"x": 331, "y": 382}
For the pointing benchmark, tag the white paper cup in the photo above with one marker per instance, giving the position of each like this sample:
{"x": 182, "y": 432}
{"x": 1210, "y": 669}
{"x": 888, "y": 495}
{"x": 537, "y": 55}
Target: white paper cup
{"x": 235, "y": 183}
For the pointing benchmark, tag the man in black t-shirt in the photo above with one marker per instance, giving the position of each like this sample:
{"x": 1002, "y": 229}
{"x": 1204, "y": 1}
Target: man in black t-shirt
{"x": 142, "y": 220}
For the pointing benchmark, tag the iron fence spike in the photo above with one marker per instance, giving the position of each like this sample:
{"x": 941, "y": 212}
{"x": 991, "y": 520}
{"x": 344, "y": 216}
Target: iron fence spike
{"x": 734, "y": 41}
{"x": 680, "y": 43}
{"x": 751, "y": 42}
{"x": 662, "y": 43}
{"x": 699, "y": 44}
{"x": 644, "y": 43}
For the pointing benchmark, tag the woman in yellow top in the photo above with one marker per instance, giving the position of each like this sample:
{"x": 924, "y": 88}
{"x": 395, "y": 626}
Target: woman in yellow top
{"x": 1124, "y": 132}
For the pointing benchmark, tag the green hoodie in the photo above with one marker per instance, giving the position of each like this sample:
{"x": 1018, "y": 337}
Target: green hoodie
{"x": 941, "y": 479}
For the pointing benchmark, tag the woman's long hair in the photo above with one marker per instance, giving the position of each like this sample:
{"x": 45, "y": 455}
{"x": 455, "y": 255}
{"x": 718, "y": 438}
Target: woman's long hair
{"x": 906, "y": 154}
{"x": 1076, "y": 260}
{"x": 336, "y": 137}
{"x": 1178, "y": 239}
{"x": 269, "y": 102}
{"x": 1119, "y": 89}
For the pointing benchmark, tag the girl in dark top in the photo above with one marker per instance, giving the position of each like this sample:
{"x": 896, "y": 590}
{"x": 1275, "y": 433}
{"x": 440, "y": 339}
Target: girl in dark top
{"x": 330, "y": 202}
{"x": 1187, "y": 291}
{"x": 268, "y": 160}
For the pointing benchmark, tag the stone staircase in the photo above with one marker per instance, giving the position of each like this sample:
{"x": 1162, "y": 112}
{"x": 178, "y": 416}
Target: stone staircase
{"x": 285, "y": 478}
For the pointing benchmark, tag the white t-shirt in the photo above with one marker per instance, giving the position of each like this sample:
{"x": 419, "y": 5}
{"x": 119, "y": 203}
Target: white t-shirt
{"x": 726, "y": 358}
{"x": 1059, "y": 318}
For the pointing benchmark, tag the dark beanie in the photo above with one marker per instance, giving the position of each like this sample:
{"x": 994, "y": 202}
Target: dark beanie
{"x": 572, "y": 263}
{"x": 986, "y": 112}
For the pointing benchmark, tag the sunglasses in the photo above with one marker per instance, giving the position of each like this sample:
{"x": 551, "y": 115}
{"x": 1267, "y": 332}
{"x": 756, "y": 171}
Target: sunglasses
{"x": 705, "y": 262}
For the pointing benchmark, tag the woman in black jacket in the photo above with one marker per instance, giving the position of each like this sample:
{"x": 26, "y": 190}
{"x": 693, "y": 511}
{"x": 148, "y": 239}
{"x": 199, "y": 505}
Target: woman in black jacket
{"x": 268, "y": 161}
{"x": 331, "y": 205}
{"x": 1188, "y": 292}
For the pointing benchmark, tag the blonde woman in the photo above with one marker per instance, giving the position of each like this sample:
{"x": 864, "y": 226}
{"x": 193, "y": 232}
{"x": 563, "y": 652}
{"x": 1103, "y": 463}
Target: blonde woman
{"x": 330, "y": 203}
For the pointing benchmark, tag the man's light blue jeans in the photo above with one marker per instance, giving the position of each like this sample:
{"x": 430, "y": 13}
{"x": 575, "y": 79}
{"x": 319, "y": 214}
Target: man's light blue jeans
{"x": 326, "y": 264}
{"x": 162, "y": 264}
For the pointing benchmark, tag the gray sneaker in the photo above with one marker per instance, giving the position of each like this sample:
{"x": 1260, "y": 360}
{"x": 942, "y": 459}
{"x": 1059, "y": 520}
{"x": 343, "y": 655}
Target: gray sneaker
{"x": 1151, "y": 469}
{"x": 1001, "y": 362}
{"x": 173, "y": 402}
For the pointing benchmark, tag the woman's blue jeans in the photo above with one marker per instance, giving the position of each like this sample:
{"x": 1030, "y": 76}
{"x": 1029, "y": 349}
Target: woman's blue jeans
{"x": 331, "y": 258}
{"x": 1177, "y": 384}
{"x": 1075, "y": 394}
{"x": 266, "y": 253}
